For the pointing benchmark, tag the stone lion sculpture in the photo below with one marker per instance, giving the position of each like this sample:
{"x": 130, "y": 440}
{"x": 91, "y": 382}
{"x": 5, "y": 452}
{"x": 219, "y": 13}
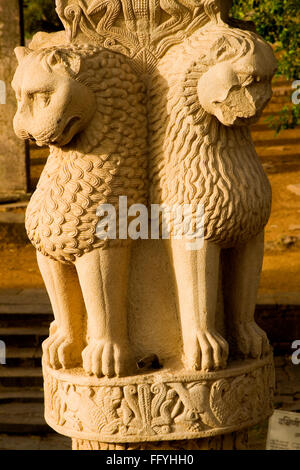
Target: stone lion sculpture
{"x": 192, "y": 145}
{"x": 88, "y": 106}
{"x": 205, "y": 93}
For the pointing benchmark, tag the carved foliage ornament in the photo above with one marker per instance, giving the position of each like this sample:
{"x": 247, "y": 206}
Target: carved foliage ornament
{"x": 140, "y": 29}
{"x": 171, "y": 409}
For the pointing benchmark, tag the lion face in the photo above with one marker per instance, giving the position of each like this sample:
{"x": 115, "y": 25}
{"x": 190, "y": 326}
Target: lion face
{"x": 52, "y": 106}
{"x": 236, "y": 92}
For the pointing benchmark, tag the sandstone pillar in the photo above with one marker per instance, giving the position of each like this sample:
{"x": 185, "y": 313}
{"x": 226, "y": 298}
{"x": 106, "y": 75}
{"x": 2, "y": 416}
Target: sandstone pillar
{"x": 154, "y": 343}
{"x": 13, "y": 179}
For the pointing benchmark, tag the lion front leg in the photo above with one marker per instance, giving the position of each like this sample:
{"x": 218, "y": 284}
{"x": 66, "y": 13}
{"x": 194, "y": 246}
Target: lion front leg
{"x": 197, "y": 281}
{"x": 242, "y": 267}
{"x": 103, "y": 275}
{"x": 64, "y": 346}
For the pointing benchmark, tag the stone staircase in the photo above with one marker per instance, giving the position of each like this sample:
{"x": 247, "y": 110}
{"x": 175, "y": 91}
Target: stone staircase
{"x": 285, "y": 147}
{"x": 24, "y": 324}
{"x": 25, "y": 316}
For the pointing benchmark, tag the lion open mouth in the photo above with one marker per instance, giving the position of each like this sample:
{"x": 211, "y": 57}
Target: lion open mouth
{"x": 66, "y": 134}
{"x": 70, "y": 125}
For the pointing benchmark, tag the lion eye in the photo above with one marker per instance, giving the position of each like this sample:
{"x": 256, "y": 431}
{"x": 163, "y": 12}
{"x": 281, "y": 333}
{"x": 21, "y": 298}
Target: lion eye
{"x": 44, "y": 98}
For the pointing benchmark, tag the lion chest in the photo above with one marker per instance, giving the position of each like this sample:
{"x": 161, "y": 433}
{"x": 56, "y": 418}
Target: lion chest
{"x": 217, "y": 169}
{"x": 61, "y": 217}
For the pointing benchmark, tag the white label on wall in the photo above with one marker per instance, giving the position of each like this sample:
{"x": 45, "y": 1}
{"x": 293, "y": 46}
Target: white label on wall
{"x": 284, "y": 431}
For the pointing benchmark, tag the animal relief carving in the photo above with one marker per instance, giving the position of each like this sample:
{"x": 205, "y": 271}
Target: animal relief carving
{"x": 160, "y": 410}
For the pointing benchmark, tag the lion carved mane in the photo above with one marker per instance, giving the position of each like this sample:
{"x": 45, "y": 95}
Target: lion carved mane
{"x": 195, "y": 158}
{"x": 188, "y": 137}
{"x": 105, "y": 161}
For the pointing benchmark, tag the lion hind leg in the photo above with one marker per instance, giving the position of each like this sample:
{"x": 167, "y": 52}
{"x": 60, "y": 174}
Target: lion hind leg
{"x": 242, "y": 267}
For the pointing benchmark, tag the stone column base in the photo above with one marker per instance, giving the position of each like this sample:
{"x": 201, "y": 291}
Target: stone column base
{"x": 232, "y": 441}
{"x": 208, "y": 409}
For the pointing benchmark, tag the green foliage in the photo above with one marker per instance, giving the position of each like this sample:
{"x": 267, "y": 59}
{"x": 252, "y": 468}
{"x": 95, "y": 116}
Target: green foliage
{"x": 277, "y": 21}
{"x": 40, "y": 15}
{"x": 288, "y": 118}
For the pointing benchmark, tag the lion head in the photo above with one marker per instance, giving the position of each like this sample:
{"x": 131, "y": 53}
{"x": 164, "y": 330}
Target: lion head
{"x": 235, "y": 69}
{"x": 53, "y": 105}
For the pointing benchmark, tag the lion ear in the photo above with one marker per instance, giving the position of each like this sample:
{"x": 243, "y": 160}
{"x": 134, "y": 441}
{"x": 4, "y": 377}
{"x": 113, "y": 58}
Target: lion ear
{"x": 68, "y": 59}
{"x": 21, "y": 52}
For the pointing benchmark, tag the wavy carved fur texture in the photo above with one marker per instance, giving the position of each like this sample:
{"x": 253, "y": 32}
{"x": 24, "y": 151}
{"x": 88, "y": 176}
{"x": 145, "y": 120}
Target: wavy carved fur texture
{"x": 195, "y": 159}
{"x": 105, "y": 161}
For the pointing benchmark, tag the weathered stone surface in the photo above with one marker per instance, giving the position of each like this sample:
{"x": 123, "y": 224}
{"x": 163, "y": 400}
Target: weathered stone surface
{"x": 34, "y": 442}
{"x": 231, "y": 441}
{"x": 151, "y": 101}
{"x": 164, "y": 405}
{"x": 13, "y": 182}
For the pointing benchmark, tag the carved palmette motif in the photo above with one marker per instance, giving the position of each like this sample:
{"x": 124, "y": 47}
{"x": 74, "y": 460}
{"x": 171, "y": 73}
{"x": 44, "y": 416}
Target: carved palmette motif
{"x": 125, "y": 412}
{"x": 140, "y": 29}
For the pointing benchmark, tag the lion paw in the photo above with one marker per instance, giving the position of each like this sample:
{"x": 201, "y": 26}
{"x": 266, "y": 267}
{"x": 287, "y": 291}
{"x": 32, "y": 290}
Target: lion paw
{"x": 207, "y": 351}
{"x": 252, "y": 340}
{"x": 59, "y": 352}
{"x": 53, "y": 329}
{"x": 104, "y": 357}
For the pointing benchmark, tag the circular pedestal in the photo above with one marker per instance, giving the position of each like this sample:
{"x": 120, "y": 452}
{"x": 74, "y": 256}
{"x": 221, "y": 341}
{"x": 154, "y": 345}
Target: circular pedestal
{"x": 165, "y": 405}
{"x": 233, "y": 441}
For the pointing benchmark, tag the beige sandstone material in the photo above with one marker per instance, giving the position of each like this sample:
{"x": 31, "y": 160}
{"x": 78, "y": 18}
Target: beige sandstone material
{"x": 233, "y": 441}
{"x": 153, "y": 101}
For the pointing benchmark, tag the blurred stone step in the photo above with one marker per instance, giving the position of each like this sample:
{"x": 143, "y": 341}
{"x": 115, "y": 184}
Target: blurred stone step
{"x": 279, "y": 150}
{"x": 24, "y": 331}
{"x": 23, "y": 358}
{"x": 51, "y": 441}
{"x": 34, "y": 308}
{"x": 23, "y": 296}
{"x": 13, "y": 206}
{"x": 276, "y": 104}
{"x": 27, "y": 301}
{"x": 266, "y": 135}
{"x": 273, "y": 142}
{"x": 283, "y": 90}
{"x": 262, "y": 125}
{"x": 20, "y": 372}
{"x": 23, "y": 353}
{"x": 21, "y": 377}
{"x": 16, "y": 320}
{"x": 14, "y": 394}
{"x": 23, "y": 418}
{"x": 12, "y": 218}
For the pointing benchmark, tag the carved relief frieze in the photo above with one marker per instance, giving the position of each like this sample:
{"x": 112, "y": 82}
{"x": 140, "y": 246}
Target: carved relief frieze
{"x": 142, "y": 30}
{"x": 150, "y": 408}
